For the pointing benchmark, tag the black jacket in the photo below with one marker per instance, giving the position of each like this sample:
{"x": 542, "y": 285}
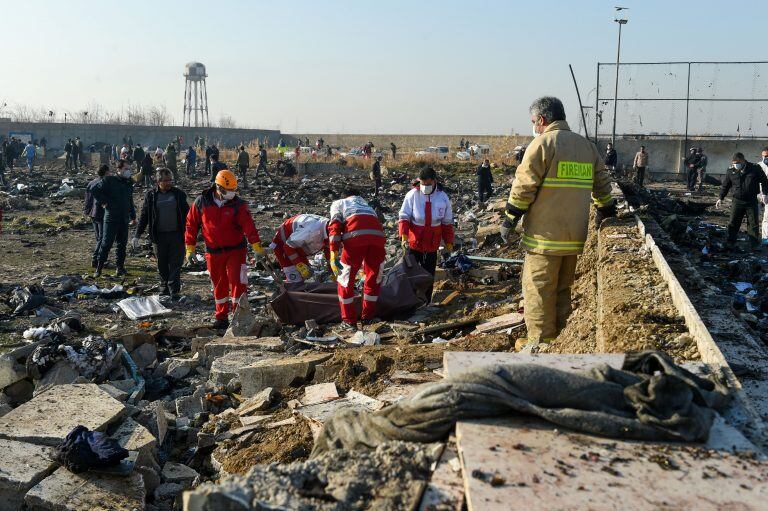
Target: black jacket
{"x": 745, "y": 183}
{"x": 484, "y": 174}
{"x": 376, "y": 169}
{"x": 610, "y": 158}
{"x": 148, "y": 217}
{"x": 116, "y": 193}
{"x": 91, "y": 207}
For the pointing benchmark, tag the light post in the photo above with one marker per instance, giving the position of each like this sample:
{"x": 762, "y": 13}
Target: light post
{"x": 621, "y": 22}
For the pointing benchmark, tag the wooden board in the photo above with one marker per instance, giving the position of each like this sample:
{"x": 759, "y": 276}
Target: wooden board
{"x": 499, "y": 323}
{"x": 539, "y": 467}
{"x": 445, "y": 490}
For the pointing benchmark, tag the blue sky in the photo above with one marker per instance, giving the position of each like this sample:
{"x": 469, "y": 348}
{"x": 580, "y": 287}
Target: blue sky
{"x": 351, "y": 66}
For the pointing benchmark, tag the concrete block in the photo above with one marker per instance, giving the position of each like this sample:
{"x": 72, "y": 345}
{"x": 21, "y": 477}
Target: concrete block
{"x": 22, "y": 466}
{"x": 20, "y": 392}
{"x": 116, "y": 393}
{"x": 257, "y": 403}
{"x": 134, "y": 340}
{"x": 178, "y": 473}
{"x": 12, "y": 364}
{"x": 188, "y": 406}
{"x": 61, "y": 373}
{"x": 48, "y": 417}
{"x": 178, "y": 368}
{"x": 278, "y": 373}
{"x": 168, "y": 491}
{"x": 65, "y": 491}
{"x": 225, "y": 368}
{"x": 145, "y": 355}
{"x": 222, "y": 346}
{"x": 4, "y": 409}
{"x": 132, "y": 436}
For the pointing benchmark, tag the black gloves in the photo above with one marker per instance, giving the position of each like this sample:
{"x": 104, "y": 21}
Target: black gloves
{"x": 603, "y": 213}
{"x": 513, "y": 215}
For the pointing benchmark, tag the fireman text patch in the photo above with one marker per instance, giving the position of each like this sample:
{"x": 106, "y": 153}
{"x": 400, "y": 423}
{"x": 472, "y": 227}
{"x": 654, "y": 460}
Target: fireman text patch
{"x": 574, "y": 170}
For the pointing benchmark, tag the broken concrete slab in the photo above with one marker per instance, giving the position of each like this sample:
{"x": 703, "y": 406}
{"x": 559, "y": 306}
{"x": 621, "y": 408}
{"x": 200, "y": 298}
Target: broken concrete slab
{"x": 113, "y": 391}
{"x": 226, "y": 367}
{"x": 455, "y": 362}
{"x": 22, "y": 465}
{"x": 321, "y": 412}
{"x": 145, "y": 355}
{"x": 65, "y": 491}
{"x": 319, "y": 393}
{"x": 219, "y": 347}
{"x": 253, "y": 419}
{"x": 278, "y": 373}
{"x": 178, "y": 368}
{"x": 499, "y": 323}
{"x": 49, "y": 417}
{"x": 400, "y": 376}
{"x": 19, "y": 392}
{"x": 161, "y": 420}
{"x": 12, "y": 366}
{"x": 188, "y": 406}
{"x": 61, "y": 373}
{"x": 132, "y": 436}
{"x": 178, "y": 473}
{"x": 132, "y": 341}
{"x": 261, "y": 401}
{"x": 168, "y": 491}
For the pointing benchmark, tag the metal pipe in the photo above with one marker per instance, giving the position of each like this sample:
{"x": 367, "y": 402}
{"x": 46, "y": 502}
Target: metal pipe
{"x": 687, "y": 105}
{"x": 597, "y": 103}
{"x": 581, "y": 107}
{"x": 616, "y": 90}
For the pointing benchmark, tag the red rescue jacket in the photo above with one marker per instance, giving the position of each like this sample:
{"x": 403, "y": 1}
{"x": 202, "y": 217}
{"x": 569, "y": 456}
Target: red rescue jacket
{"x": 301, "y": 236}
{"x": 354, "y": 223}
{"x": 426, "y": 220}
{"x": 225, "y": 227}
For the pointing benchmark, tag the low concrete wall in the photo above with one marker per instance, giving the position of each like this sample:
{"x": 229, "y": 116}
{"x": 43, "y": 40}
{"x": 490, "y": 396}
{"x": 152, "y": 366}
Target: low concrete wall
{"x": 665, "y": 155}
{"x": 56, "y": 134}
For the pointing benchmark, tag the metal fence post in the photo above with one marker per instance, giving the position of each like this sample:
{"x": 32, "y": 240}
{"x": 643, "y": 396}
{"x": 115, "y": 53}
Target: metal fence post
{"x": 687, "y": 103}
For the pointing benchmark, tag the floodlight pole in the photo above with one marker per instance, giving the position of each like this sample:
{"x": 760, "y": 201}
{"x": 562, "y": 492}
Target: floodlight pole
{"x": 616, "y": 88}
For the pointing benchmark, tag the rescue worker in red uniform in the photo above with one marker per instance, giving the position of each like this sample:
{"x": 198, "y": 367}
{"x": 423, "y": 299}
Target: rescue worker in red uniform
{"x": 356, "y": 239}
{"x": 228, "y": 229}
{"x": 426, "y": 220}
{"x": 298, "y": 237}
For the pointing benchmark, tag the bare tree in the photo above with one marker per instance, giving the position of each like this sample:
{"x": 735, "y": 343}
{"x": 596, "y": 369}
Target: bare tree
{"x": 158, "y": 116}
{"x": 226, "y": 121}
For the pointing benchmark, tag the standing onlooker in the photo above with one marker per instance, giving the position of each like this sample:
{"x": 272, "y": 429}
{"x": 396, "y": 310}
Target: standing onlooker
{"x": 116, "y": 194}
{"x": 159, "y": 156}
{"x": 262, "y": 160}
{"x": 75, "y": 154}
{"x": 125, "y": 152}
{"x": 640, "y": 163}
{"x": 611, "y": 158}
{"x": 393, "y": 148}
{"x": 146, "y": 170}
{"x": 763, "y": 197}
{"x": 426, "y": 220}
{"x": 29, "y": 152}
{"x": 691, "y": 164}
{"x": 746, "y": 179}
{"x": 484, "y": 181}
{"x": 164, "y": 216}
{"x": 191, "y": 159}
{"x": 68, "y": 155}
{"x": 297, "y": 152}
{"x": 170, "y": 160}
{"x": 3, "y": 148}
{"x": 208, "y": 153}
{"x": 79, "y": 145}
{"x": 243, "y": 161}
{"x": 701, "y": 169}
{"x": 216, "y": 166}
{"x": 138, "y": 156}
{"x": 93, "y": 210}
{"x": 376, "y": 176}
{"x": 43, "y": 146}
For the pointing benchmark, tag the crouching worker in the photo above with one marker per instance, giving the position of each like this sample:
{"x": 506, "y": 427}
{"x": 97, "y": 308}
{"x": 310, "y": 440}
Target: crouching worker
{"x": 228, "y": 229}
{"x": 164, "y": 214}
{"x": 296, "y": 239}
{"x": 356, "y": 238}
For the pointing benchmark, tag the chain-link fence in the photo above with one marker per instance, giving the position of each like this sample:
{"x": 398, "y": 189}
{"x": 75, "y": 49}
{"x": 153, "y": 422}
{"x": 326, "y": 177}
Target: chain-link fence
{"x": 681, "y": 99}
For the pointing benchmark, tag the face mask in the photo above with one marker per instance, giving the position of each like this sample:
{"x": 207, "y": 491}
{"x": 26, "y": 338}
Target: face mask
{"x": 535, "y": 134}
{"x": 426, "y": 189}
{"x": 738, "y": 166}
{"x": 608, "y": 150}
{"x": 228, "y": 195}
{"x": 126, "y": 172}
{"x": 765, "y": 160}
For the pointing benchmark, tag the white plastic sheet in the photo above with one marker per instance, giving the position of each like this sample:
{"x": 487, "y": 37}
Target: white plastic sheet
{"x": 140, "y": 307}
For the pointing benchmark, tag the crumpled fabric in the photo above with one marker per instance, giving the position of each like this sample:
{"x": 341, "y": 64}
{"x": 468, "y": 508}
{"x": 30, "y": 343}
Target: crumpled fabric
{"x": 83, "y": 450}
{"x": 459, "y": 262}
{"x": 650, "y": 398}
{"x": 27, "y": 299}
{"x": 92, "y": 357}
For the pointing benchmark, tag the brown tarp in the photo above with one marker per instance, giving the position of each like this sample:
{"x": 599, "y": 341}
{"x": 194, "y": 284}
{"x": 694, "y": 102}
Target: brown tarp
{"x": 402, "y": 290}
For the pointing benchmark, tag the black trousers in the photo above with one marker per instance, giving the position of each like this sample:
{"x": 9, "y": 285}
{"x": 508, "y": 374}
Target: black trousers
{"x": 640, "y": 175}
{"x": 208, "y": 166}
{"x": 740, "y": 209}
{"x": 244, "y": 175}
{"x": 692, "y": 175}
{"x": 98, "y": 231}
{"x": 190, "y": 167}
{"x": 114, "y": 232}
{"x": 262, "y": 166}
{"x": 169, "y": 249}
{"x": 484, "y": 189}
{"x": 428, "y": 261}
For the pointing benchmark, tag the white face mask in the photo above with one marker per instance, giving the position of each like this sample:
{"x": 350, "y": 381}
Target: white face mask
{"x": 126, "y": 173}
{"x": 426, "y": 189}
{"x": 535, "y": 133}
{"x": 738, "y": 166}
{"x": 228, "y": 195}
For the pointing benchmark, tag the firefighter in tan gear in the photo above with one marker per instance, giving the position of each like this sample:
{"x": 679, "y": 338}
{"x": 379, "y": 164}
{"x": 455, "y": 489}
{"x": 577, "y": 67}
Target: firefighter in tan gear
{"x": 561, "y": 173}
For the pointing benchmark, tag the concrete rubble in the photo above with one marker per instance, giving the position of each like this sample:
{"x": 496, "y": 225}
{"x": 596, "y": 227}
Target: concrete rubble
{"x": 227, "y": 420}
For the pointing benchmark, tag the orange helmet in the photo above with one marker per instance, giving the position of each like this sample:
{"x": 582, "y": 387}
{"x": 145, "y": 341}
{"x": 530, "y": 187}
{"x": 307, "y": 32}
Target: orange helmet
{"x": 226, "y": 179}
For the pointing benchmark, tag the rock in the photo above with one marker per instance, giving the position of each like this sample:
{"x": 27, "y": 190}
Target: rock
{"x": 22, "y": 466}
{"x": 65, "y": 491}
{"x": 20, "y": 392}
{"x": 168, "y": 491}
{"x": 145, "y": 355}
{"x": 178, "y": 473}
{"x": 134, "y": 437}
{"x": 12, "y": 364}
{"x": 278, "y": 373}
{"x": 50, "y": 416}
{"x": 116, "y": 393}
{"x": 133, "y": 341}
{"x": 222, "y": 346}
{"x": 188, "y": 406}
{"x": 226, "y": 367}
{"x": 4, "y": 409}
{"x": 151, "y": 478}
{"x": 126, "y": 385}
{"x": 319, "y": 393}
{"x": 178, "y": 368}
{"x": 261, "y": 401}
{"x": 61, "y": 373}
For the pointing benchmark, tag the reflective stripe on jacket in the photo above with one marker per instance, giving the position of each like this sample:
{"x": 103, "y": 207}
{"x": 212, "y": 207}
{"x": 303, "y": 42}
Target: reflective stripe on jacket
{"x": 426, "y": 220}
{"x": 355, "y": 223}
{"x": 560, "y": 172}
{"x": 302, "y": 234}
{"x": 224, "y": 227}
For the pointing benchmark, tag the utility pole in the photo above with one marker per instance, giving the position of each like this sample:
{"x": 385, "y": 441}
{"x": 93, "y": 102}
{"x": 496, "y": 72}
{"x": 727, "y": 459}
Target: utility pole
{"x": 620, "y": 21}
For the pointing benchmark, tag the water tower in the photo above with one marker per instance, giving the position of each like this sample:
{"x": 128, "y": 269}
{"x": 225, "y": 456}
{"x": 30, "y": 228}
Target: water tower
{"x": 195, "y": 95}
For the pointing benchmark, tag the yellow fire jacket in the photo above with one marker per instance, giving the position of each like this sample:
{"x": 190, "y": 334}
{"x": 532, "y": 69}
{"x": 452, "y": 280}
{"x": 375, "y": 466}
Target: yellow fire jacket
{"x": 560, "y": 175}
